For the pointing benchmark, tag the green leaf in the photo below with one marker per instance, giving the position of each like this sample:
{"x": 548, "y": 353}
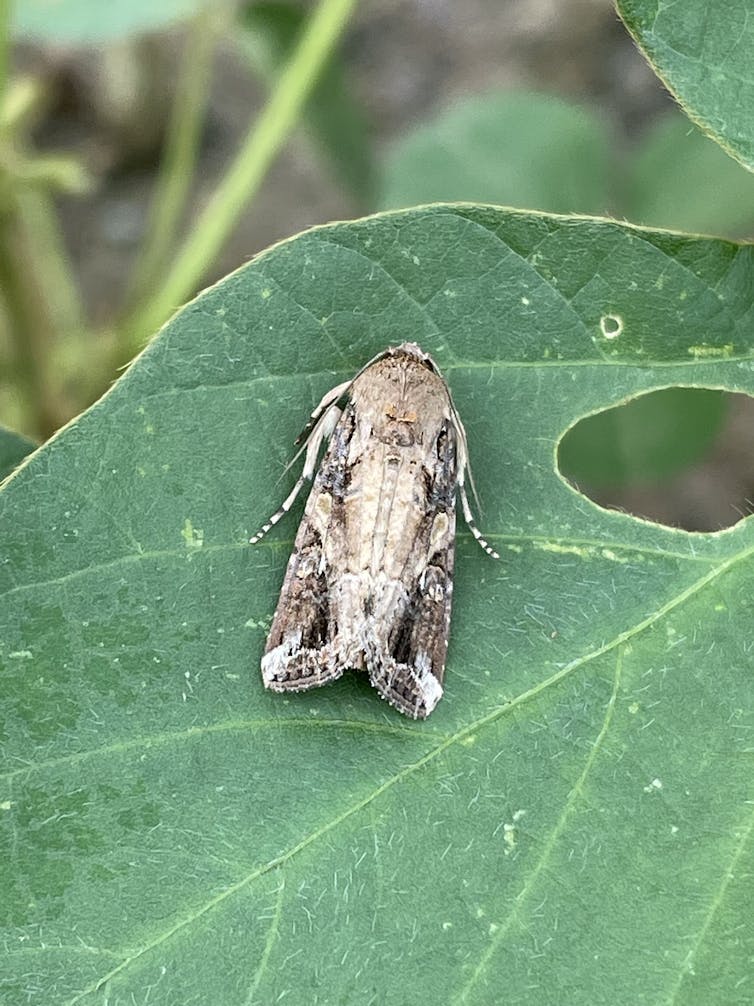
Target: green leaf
{"x": 13, "y": 449}
{"x": 572, "y": 823}
{"x": 679, "y": 178}
{"x": 703, "y": 52}
{"x": 269, "y": 33}
{"x": 649, "y": 438}
{"x": 92, "y": 21}
{"x": 526, "y": 150}
{"x": 534, "y": 152}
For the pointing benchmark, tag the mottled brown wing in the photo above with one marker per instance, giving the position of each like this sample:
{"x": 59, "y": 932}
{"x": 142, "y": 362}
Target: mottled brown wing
{"x": 406, "y": 661}
{"x": 297, "y": 655}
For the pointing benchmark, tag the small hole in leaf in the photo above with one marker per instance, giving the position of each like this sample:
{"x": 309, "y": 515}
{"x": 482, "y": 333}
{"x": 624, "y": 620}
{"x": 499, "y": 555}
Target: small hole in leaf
{"x": 611, "y": 325}
{"x": 683, "y": 457}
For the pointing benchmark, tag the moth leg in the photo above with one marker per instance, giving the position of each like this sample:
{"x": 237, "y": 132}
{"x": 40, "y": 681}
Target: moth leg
{"x": 330, "y": 398}
{"x": 464, "y": 468}
{"x": 325, "y": 425}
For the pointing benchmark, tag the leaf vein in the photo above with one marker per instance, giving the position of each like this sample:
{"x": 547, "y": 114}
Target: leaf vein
{"x": 573, "y": 797}
{"x": 725, "y": 881}
{"x": 168, "y": 737}
{"x": 272, "y": 933}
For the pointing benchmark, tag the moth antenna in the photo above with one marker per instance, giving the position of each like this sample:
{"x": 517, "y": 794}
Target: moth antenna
{"x": 470, "y": 520}
{"x": 464, "y": 466}
{"x": 279, "y": 513}
{"x": 321, "y": 431}
{"x": 328, "y": 399}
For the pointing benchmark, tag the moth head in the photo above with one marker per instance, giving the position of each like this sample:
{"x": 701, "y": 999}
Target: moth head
{"x": 415, "y": 351}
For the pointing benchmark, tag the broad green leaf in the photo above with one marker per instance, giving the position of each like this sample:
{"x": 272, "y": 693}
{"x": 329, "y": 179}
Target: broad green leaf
{"x": 92, "y": 21}
{"x": 648, "y": 438}
{"x": 268, "y": 34}
{"x": 514, "y": 149}
{"x": 679, "y": 178}
{"x": 574, "y": 821}
{"x": 13, "y": 449}
{"x": 703, "y": 50}
{"x": 536, "y": 152}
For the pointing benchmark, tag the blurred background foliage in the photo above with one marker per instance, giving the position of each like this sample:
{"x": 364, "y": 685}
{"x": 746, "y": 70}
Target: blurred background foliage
{"x": 146, "y": 150}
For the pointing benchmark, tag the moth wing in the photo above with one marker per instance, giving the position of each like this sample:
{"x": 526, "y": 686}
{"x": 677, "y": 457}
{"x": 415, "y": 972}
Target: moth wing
{"x": 407, "y": 667}
{"x": 297, "y": 655}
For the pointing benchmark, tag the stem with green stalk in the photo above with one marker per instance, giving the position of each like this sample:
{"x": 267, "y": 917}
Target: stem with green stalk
{"x": 179, "y": 159}
{"x": 243, "y": 179}
{"x": 41, "y": 298}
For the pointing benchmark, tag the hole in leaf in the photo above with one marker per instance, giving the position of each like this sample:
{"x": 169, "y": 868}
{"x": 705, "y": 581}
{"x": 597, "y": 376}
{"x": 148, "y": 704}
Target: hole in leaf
{"x": 683, "y": 457}
{"x": 611, "y": 326}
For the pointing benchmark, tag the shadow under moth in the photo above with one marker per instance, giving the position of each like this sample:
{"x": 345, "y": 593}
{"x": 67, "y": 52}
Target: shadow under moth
{"x": 369, "y": 583}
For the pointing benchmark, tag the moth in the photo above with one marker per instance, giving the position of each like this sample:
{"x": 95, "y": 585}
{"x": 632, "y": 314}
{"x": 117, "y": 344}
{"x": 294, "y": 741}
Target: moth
{"x": 369, "y": 583}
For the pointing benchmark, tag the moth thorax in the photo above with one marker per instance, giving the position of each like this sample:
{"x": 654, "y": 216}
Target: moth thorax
{"x": 397, "y": 434}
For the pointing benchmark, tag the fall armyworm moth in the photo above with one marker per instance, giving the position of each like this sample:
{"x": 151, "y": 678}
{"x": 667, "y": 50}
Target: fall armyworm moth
{"x": 370, "y": 580}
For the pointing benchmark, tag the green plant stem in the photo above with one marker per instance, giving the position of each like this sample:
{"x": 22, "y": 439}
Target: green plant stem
{"x": 42, "y": 302}
{"x": 181, "y": 148}
{"x": 29, "y": 327}
{"x": 39, "y": 219}
{"x": 246, "y": 174}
